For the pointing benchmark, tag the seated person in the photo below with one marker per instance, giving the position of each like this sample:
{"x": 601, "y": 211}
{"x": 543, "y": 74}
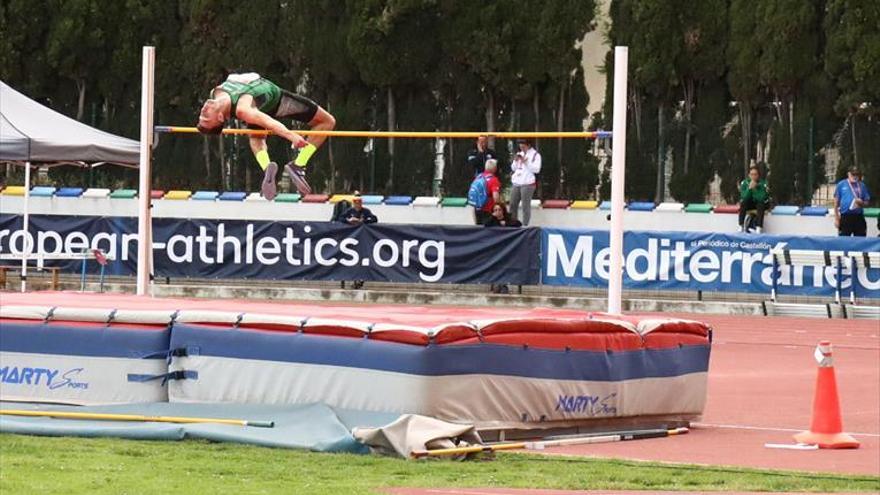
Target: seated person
{"x": 754, "y": 195}
{"x": 501, "y": 218}
{"x": 357, "y": 214}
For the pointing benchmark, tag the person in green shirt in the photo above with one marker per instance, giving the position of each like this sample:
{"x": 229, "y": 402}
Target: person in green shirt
{"x": 754, "y": 195}
{"x": 261, "y": 103}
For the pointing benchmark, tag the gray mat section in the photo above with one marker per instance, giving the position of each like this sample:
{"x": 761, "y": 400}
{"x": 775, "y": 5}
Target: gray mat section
{"x": 315, "y": 427}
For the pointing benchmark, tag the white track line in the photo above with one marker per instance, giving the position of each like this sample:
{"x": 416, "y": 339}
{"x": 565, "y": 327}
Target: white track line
{"x": 765, "y": 428}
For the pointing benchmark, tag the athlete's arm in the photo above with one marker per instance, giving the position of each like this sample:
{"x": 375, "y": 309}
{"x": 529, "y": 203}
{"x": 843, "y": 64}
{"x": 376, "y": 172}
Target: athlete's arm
{"x": 246, "y": 111}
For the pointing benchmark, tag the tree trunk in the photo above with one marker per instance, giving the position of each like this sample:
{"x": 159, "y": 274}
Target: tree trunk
{"x": 688, "y": 112}
{"x": 490, "y": 113}
{"x": 392, "y": 125}
{"x": 206, "y": 151}
{"x": 513, "y": 116}
{"x": 661, "y": 158}
{"x": 791, "y": 128}
{"x": 536, "y": 109}
{"x": 560, "y": 121}
{"x": 636, "y": 106}
{"x": 81, "y": 101}
{"x": 330, "y": 153}
{"x": 230, "y": 180}
{"x": 745, "y": 117}
{"x": 854, "y": 141}
{"x": 451, "y": 171}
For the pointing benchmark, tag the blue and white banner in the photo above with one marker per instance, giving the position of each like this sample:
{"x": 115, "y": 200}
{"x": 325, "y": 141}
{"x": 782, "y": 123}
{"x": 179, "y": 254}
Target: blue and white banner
{"x": 699, "y": 261}
{"x": 291, "y": 250}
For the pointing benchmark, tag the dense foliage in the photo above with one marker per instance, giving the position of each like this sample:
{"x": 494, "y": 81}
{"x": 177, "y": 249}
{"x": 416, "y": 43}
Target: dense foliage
{"x": 718, "y": 85}
{"x": 714, "y": 85}
{"x": 374, "y": 64}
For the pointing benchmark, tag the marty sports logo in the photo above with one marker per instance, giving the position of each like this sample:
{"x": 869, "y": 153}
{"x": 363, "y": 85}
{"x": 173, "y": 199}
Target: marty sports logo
{"x": 52, "y": 379}
{"x": 591, "y": 405}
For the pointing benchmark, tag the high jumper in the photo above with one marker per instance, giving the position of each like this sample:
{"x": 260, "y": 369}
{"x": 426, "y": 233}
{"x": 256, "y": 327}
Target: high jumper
{"x": 261, "y": 103}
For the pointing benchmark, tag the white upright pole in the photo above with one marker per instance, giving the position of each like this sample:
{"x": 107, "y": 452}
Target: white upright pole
{"x": 618, "y": 169}
{"x": 145, "y": 224}
{"x": 26, "y": 246}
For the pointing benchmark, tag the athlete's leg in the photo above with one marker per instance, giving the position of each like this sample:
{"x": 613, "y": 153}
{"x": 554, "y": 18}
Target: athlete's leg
{"x": 322, "y": 121}
{"x": 270, "y": 168}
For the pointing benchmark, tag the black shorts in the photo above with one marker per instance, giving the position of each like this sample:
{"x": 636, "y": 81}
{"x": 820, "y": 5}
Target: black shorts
{"x": 296, "y": 107}
{"x": 853, "y": 224}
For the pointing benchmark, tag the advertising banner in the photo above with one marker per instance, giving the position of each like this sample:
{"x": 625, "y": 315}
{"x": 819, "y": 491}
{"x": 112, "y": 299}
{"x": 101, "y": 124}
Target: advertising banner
{"x": 692, "y": 261}
{"x": 230, "y": 249}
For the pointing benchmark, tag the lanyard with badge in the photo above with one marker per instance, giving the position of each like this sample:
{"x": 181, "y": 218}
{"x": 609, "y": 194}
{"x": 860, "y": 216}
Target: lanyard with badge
{"x": 857, "y": 193}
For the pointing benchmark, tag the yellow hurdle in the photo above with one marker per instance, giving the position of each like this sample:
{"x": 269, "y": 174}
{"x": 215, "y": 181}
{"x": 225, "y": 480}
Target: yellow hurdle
{"x": 401, "y": 134}
{"x": 133, "y": 417}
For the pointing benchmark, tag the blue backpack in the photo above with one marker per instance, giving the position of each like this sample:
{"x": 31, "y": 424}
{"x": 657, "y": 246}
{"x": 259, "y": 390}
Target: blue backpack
{"x": 478, "y": 194}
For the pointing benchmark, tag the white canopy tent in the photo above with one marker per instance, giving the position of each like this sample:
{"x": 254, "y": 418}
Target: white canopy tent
{"x": 32, "y": 133}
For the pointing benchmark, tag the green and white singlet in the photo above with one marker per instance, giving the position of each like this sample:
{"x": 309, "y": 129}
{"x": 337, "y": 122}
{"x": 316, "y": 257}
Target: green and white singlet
{"x": 266, "y": 94}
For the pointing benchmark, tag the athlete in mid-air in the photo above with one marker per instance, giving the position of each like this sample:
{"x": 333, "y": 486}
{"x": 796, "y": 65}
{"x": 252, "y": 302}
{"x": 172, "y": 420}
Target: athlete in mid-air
{"x": 261, "y": 103}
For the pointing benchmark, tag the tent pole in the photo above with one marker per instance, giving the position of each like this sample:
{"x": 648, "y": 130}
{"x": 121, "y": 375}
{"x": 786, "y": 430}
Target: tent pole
{"x": 26, "y": 246}
{"x": 145, "y": 225}
{"x": 618, "y": 167}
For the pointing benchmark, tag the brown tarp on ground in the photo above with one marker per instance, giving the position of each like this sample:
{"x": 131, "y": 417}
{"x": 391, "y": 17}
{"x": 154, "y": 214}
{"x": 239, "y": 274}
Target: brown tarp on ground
{"x": 412, "y": 432}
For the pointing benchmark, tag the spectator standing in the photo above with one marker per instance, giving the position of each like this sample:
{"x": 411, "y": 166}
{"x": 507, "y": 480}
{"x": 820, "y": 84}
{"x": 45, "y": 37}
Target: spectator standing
{"x": 476, "y": 157}
{"x": 754, "y": 195}
{"x": 357, "y": 214}
{"x": 526, "y": 164}
{"x": 850, "y": 197}
{"x": 493, "y": 191}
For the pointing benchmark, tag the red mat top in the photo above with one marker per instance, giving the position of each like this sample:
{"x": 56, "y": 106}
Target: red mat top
{"x": 539, "y": 327}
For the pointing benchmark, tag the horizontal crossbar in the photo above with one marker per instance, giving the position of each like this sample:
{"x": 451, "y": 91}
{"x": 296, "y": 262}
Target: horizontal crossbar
{"x": 401, "y": 134}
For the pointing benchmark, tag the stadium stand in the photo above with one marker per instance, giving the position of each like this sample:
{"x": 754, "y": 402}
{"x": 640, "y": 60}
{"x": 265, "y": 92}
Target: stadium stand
{"x": 698, "y": 208}
{"x": 177, "y": 195}
{"x": 814, "y": 211}
{"x": 69, "y": 192}
{"x": 205, "y": 195}
{"x": 13, "y": 191}
{"x": 583, "y": 204}
{"x": 232, "y": 196}
{"x": 785, "y": 210}
{"x": 398, "y": 200}
{"x": 430, "y": 201}
{"x": 556, "y": 204}
{"x": 43, "y": 191}
{"x": 124, "y": 194}
{"x": 454, "y": 202}
{"x": 314, "y": 198}
{"x": 670, "y": 207}
{"x": 286, "y": 198}
{"x": 96, "y": 192}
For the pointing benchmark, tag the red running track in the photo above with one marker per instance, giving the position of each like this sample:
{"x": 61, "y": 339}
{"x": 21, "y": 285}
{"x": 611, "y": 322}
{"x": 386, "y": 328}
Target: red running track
{"x": 761, "y": 379}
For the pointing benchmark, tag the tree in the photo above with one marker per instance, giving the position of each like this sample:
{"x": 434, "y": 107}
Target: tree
{"x": 851, "y": 59}
{"x": 789, "y": 30}
{"x": 393, "y": 45}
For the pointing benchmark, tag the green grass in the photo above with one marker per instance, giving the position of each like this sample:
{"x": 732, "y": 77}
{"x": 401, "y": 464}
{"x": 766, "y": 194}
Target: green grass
{"x": 48, "y": 465}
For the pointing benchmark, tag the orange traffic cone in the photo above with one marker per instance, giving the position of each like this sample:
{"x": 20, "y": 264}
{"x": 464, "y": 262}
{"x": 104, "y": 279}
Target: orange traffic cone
{"x": 826, "y": 430}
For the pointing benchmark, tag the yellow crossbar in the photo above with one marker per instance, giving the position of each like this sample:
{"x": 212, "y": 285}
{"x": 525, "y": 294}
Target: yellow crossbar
{"x": 402, "y": 134}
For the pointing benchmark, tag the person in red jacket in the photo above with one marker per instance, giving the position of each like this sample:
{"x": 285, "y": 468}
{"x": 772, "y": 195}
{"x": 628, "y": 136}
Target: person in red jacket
{"x": 493, "y": 191}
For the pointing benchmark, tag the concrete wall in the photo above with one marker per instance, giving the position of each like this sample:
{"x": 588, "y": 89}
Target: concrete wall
{"x": 422, "y": 215}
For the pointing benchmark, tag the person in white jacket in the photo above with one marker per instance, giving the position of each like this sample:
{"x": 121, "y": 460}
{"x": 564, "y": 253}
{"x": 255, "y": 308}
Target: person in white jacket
{"x": 525, "y": 165}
